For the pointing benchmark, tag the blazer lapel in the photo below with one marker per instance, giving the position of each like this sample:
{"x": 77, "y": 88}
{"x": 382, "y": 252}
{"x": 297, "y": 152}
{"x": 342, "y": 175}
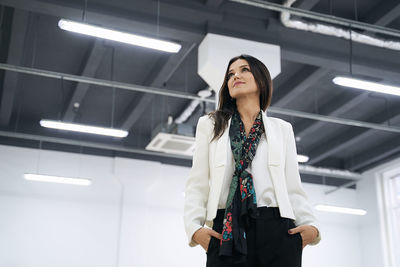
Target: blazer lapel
{"x": 272, "y": 140}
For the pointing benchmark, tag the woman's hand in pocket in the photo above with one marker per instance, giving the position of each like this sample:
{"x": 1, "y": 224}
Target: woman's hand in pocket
{"x": 203, "y": 236}
{"x": 307, "y": 232}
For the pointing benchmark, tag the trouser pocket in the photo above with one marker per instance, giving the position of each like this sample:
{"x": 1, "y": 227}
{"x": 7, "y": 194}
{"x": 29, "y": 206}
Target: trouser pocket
{"x": 297, "y": 237}
{"x": 210, "y": 244}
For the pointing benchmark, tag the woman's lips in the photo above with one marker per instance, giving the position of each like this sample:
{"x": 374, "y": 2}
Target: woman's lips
{"x": 237, "y": 83}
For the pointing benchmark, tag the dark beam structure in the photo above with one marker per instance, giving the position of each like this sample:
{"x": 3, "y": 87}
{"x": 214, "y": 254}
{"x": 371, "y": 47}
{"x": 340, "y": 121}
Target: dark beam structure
{"x": 112, "y": 17}
{"x": 17, "y": 44}
{"x": 307, "y": 4}
{"x": 335, "y": 108}
{"x": 376, "y": 154}
{"x": 325, "y": 51}
{"x": 300, "y": 81}
{"x": 381, "y": 15}
{"x": 349, "y": 137}
{"x": 138, "y": 106}
{"x": 89, "y": 69}
{"x": 384, "y": 13}
{"x": 214, "y": 3}
{"x": 295, "y": 86}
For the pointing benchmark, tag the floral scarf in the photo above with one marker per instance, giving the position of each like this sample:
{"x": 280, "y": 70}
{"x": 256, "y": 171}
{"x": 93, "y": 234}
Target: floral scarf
{"x": 241, "y": 203}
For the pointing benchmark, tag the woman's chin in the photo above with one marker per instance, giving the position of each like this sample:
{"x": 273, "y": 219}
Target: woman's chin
{"x": 244, "y": 94}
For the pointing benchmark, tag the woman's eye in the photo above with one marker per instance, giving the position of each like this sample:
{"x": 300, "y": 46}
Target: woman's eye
{"x": 229, "y": 76}
{"x": 245, "y": 69}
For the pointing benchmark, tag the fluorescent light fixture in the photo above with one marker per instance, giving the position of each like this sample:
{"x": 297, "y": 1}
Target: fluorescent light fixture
{"x": 336, "y": 209}
{"x": 83, "y": 128}
{"x": 56, "y": 179}
{"x": 302, "y": 158}
{"x": 118, "y": 36}
{"x": 366, "y": 85}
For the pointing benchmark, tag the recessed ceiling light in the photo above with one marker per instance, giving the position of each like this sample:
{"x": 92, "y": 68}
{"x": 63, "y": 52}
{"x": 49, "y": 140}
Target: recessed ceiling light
{"x": 336, "y": 209}
{"x": 367, "y": 85}
{"x": 56, "y": 179}
{"x": 83, "y": 128}
{"x": 302, "y": 158}
{"x": 123, "y": 37}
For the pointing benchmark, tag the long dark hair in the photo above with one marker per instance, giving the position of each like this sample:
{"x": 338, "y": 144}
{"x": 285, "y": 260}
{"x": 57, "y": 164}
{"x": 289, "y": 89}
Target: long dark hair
{"x": 227, "y": 105}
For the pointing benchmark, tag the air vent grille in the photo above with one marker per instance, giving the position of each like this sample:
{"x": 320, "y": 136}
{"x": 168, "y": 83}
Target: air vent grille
{"x": 172, "y": 143}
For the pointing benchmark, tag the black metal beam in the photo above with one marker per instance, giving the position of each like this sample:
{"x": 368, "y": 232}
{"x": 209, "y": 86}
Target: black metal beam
{"x": 374, "y": 155}
{"x": 187, "y": 10}
{"x": 138, "y": 106}
{"x": 89, "y": 69}
{"x": 324, "y": 51}
{"x": 307, "y": 4}
{"x": 114, "y": 18}
{"x": 335, "y": 108}
{"x": 214, "y": 3}
{"x": 297, "y": 84}
{"x": 17, "y": 44}
{"x": 350, "y": 137}
{"x": 300, "y": 81}
{"x": 383, "y": 13}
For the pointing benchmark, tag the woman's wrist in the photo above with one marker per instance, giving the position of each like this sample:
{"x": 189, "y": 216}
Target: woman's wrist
{"x": 316, "y": 231}
{"x": 194, "y": 236}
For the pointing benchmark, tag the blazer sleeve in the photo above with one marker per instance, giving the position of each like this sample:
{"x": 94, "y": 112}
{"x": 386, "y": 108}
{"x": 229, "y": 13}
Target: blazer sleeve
{"x": 298, "y": 197}
{"x": 197, "y": 185}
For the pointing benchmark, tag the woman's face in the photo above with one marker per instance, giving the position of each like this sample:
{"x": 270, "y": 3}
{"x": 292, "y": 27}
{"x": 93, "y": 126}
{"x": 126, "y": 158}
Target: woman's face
{"x": 241, "y": 81}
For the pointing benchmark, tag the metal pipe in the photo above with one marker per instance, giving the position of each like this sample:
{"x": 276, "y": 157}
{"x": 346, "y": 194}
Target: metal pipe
{"x": 101, "y": 82}
{"x": 345, "y": 174}
{"x": 72, "y": 142}
{"x": 152, "y": 90}
{"x": 321, "y": 17}
{"x": 331, "y": 119}
{"x": 341, "y": 186}
{"x": 335, "y": 31}
{"x": 303, "y": 169}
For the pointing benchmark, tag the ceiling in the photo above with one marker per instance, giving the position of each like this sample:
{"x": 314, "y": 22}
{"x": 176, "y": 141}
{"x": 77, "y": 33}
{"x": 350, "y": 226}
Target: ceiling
{"x": 31, "y": 38}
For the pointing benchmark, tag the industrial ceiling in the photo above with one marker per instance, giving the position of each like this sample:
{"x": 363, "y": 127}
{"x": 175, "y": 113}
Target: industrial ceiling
{"x": 339, "y": 126}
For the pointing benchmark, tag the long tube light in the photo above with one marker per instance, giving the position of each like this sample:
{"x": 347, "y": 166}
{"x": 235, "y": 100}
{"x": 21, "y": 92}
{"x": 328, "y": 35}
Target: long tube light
{"x": 83, "y": 128}
{"x": 56, "y": 179}
{"x": 123, "y": 37}
{"x": 367, "y": 85}
{"x": 302, "y": 158}
{"x": 337, "y": 209}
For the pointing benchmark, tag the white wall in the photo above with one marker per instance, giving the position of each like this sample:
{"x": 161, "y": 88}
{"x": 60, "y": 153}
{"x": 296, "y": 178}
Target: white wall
{"x": 60, "y": 225}
{"x": 340, "y": 244}
{"x": 374, "y": 230}
{"x": 45, "y": 224}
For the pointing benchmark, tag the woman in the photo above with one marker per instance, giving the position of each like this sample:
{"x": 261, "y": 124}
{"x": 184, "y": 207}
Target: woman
{"x": 244, "y": 182}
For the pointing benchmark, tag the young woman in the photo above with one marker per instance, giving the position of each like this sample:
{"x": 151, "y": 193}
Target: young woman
{"x": 244, "y": 182}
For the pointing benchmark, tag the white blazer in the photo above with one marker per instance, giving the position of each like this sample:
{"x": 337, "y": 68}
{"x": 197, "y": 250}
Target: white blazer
{"x": 203, "y": 187}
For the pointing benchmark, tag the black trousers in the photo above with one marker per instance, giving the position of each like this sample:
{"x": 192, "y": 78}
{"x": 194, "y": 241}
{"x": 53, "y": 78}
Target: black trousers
{"x": 268, "y": 242}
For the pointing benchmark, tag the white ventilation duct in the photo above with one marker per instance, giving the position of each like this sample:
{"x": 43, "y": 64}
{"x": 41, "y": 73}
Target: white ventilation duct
{"x": 334, "y": 31}
{"x": 216, "y": 50}
{"x": 193, "y": 105}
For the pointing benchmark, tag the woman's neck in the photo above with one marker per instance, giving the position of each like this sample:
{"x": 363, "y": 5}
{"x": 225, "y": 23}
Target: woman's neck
{"x": 248, "y": 110}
